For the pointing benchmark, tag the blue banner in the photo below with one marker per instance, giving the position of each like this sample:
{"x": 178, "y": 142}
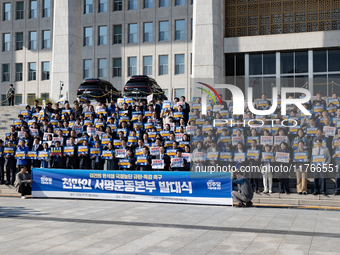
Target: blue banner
{"x": 155, "y": 186}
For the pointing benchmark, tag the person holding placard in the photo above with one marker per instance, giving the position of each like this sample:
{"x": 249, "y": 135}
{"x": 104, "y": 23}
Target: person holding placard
{"x": 301, "y": 136}
{"x": 336, "y": 158}
{"x": 110, "y": 164}
{"x": 300, "y": 166}
{"x": 45, "y": 163}
{"x": 147, "y": 167}
{"x": 72, "y": 161}
{"x": 2, "y": 163}
{"x": 58, "y": 161}
{"x": 10, "y": 163}
{"x": 84, "y": 156}
{"x": 198, "y": 161}
{"x": 97, "y": 161}
{"x": 22, "y": 148}
{"x": 252, "y": 176}
{"x": 283, "y": 176}
{"x": 239, "y": 149}
{"x": 319, "y": 135}
{"x": 318, "y": 151}
{"x": 267, "y": 175}
{"x": 184, "y": 164}
{"x": 164, "y": 157}
{"x": 131, "y": 158}
{"x": 36, "y": 147}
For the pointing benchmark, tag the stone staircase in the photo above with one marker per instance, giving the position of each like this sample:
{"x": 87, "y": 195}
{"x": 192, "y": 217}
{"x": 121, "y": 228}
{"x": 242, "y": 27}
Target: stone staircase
{"x": 7, "y": 190}
{"x": 7, "y": 115}
{"x": 294, "y": 199}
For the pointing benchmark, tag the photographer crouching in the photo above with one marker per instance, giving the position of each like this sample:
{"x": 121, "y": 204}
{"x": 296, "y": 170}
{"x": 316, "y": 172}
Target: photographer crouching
{"x": 23, "y": 182}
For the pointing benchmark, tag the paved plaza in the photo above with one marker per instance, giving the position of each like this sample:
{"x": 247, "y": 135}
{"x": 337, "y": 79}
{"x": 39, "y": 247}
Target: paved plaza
{"x": 60, "y": 226}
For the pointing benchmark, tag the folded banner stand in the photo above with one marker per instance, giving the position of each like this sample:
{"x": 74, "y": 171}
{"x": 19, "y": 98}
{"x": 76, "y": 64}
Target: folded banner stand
{"x": 152, "y": 186}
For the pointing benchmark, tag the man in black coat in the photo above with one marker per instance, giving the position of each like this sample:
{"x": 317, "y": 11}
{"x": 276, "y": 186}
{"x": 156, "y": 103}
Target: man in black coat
{"x": 147, "y": 167}
{"x": 186, "y": 107}
{"x": 97, "y": 161}
{"x": 156, "y": 107}
{"x": 2, "y": 163}
{"x": 58, "y": 161}
{"x": 72, "y": 160}
{"x": 184, "y": 166}
{"x": 165, "y": 157}
{"x": 84, "y": 159}
{"x": 10, "y": 163}
{"x": 36, "y": 146}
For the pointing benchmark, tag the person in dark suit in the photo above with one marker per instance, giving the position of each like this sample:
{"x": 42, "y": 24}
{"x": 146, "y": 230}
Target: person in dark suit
{"x": 186, "y": 108}
{"x": 97, "y": 162}
{"x": 72, "y": 160}
{"x": 146, "y": 153}
{"x": 10, "y": 163}
{"x": 129, "y": 156}
{"x": 124, "y": 145}
{"x": 2, "y": 163}
{"x": 84, "y": 159}
{"x": 36, "y": 147}
{"x": 165, "y": 157}
{"x": 253, "y": 176}
{"x": 317, "y": 151}
{"x": 156, "y": 107}
{"x": 44, "y": 127}
{"x": 184, "y": 166}
{"x": 58, "y": 161}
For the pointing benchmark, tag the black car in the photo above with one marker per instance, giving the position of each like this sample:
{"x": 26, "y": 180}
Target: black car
{"x": 141, "y": 86}
{"x": 98, "y": 89}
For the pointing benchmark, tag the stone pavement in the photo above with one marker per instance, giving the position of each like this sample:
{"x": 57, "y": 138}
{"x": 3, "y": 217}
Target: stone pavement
{"x": 60, "y": 226}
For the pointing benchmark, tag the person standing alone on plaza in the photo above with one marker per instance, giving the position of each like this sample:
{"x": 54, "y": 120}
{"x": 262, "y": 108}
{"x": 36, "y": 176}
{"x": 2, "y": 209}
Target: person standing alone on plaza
{"x": 10, "y": 95}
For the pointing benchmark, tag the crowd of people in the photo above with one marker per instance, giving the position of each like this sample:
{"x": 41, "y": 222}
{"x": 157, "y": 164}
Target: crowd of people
{"x": 175, "y": 136}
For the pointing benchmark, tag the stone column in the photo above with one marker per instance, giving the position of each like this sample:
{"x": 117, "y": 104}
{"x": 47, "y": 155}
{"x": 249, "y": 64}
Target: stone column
{"x": 208, "y": 34}
{"x": 66, "y": 48}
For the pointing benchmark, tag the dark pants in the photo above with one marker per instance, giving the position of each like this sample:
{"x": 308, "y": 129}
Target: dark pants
{"x": 2, "y": 172}
{"x": 98, "y": 166}
{"x": 316, "y": 182}
{"x": 337, "y": 183}
{"x": 10, "y": 171}
{"x": 284, "y": 185}
{"x": 57, "y": 165}
{"x": 69, "y": 166}
{"x": 25, "y": 189}
{"x": 11, "y": 100}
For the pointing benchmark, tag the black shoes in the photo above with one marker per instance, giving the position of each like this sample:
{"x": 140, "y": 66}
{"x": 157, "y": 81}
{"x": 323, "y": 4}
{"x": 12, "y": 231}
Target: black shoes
{"x": 240, "y": 205}
{"x": 249, "y": 204}
{"x": 336, "y": 193}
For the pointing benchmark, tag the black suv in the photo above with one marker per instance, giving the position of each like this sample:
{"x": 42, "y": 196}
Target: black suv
{"x": 95, "y": 89}
{"x": 141, "y": 86}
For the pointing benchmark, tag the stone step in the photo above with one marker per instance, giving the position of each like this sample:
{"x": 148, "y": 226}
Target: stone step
{"x": 304, "y": 200}
{"x": 7, "y": 190}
